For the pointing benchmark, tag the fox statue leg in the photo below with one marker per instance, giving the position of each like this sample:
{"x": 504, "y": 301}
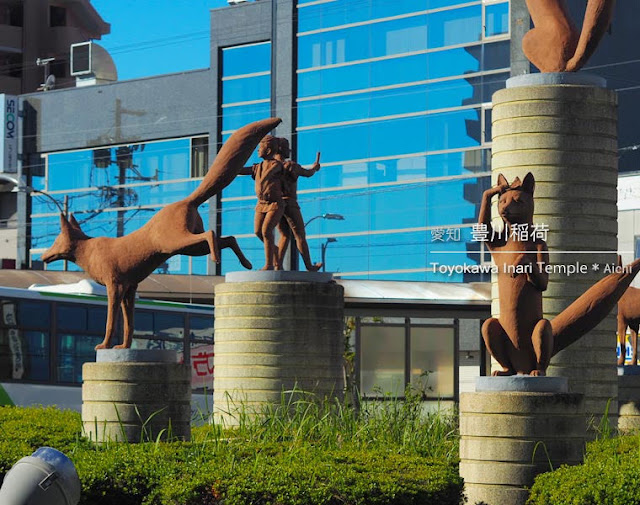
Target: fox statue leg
{"x": 114, "y": 297}
{"x": 497, "y": 342}
{"x": 633, "y": 329}
{"x": 622, "y": 340}
{"x": 127, "y": 305}
{"x": 231, "y": 242}
{"x": 188, "y": 244}
{"x": 542, "y": 340}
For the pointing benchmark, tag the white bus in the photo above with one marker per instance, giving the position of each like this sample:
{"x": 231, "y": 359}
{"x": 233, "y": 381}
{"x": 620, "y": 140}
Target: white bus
{"x": 45, "y": 338}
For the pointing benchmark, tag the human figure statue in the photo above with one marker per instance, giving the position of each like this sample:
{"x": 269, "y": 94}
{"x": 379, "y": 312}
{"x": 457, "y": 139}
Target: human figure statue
{"x": 270, "y": 207}
{"x": 554, "y": 44}
{"x": 521, "y": 340}
{"x": 122, "y": 263}
{"x": 292, "y": 221}
{"x": 629, "y": 316}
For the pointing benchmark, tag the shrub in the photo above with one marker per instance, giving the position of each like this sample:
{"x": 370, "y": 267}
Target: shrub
{"x": 609, "y": 475}
{"x": 23, "y": 430}
{"x": 304, "y": 458}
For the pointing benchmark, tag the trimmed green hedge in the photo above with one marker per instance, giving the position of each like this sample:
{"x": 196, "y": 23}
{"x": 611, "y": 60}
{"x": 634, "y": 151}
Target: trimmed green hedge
{"x": 610, "y": 475}
{"x": 231, "y": 470}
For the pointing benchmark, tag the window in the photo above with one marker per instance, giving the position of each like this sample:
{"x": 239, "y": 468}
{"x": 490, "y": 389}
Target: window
{"x": 394, "y": 352}
{"x": 382, "y": 359}
{"x": 74, "y": 350}
{"x": 80, "y": 329}
{"x": 637, "y": 247}
{"x": 199, "y": 156}
{"x": 24, "y": 352}
{"x": 57, "y": 16}
{"x": 496, "y": 18}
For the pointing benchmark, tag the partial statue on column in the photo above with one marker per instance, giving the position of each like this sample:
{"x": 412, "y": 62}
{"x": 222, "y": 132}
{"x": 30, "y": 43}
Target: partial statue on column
{"x": 554, "y": 44}
{"x": 270, "y": 207}
{"x": 629, "y": 316}
{"x": 122, "y": 263}
{"x": 292, "y": 221}
{"x": 520, "y": 339}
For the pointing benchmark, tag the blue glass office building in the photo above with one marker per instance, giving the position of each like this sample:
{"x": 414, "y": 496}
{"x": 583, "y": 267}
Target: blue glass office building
{"x": 396, "y": 96}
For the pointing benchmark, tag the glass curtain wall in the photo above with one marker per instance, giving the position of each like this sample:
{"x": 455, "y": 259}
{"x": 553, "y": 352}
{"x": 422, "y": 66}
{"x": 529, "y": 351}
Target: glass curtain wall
{"x": 114, "y": 190}
{"x": 396, "y": 96}
{"x": 246, "y": 97}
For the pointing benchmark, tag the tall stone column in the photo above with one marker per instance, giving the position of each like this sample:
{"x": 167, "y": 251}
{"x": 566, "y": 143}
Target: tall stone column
{"x": 276, "y": 332}
{"x": 563, "y": 129}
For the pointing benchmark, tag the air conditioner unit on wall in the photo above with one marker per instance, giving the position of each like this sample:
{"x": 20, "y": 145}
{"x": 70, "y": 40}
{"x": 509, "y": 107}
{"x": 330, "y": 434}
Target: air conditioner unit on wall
{"x": 81, "y": 58}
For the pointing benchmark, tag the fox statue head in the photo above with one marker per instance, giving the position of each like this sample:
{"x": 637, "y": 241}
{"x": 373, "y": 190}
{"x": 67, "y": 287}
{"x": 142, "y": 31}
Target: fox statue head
{"x": 65, "y": 244}
{"x": 516, "y": 199}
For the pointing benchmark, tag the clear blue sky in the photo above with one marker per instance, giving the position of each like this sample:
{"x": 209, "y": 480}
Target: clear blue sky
{"x": 152, "y": 37}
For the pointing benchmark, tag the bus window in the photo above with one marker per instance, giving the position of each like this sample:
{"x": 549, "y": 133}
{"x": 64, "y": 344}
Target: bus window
{"x": 143, "y": 323}
{"x": 33, "y": 314}
{"x": 168, "y": 325}
{"x": 70, "y": 318}
{"x": 201, "y": 366}
{"x": 73, "y": 351}
{"x": 35, "y": 355}
{"x": 97, "y": 319}
{"x": 201, "y": 328}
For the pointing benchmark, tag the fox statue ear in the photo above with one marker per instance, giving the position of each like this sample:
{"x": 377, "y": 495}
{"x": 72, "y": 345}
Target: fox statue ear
{"x": 65, "y": 226}
{"x": 502, "y": 181}
{"x": 74, "y": 223}
{"x": 529, "y": 183}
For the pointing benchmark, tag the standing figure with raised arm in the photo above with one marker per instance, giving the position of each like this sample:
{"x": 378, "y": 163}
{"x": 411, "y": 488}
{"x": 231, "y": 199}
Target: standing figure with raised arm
{"x": 270, "y": 208}
{"x": 292, "y": 220}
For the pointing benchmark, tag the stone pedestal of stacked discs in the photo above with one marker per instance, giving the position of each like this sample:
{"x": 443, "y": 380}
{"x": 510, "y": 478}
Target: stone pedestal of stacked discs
{"x": 278, "y": 337}
{"x": 136, "y": 395}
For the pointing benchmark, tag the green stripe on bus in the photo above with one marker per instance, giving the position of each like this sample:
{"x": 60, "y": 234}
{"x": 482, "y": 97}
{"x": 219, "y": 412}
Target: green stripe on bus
{"x": 151, "y": 303}
{"x": 5, "y": 399}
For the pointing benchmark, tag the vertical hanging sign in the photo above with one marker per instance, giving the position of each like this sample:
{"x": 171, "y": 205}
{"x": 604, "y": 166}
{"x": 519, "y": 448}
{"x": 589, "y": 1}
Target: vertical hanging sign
{"x": 9, "y": 144}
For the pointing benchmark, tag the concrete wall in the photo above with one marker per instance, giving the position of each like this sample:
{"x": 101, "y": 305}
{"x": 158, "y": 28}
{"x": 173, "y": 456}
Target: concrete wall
{"x": 167, "y": 106}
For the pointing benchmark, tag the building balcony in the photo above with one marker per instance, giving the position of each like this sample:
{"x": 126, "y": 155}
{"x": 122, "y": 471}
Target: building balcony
{"x": 61, "y": 37}
{"x": 10, "y": 39}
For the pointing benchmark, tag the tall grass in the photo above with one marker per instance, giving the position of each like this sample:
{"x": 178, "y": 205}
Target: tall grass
{"x": 392, "y": 424}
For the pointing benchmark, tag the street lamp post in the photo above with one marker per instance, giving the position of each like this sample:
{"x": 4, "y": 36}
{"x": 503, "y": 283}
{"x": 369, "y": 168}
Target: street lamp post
{"x": 324, "y": 251}
{"x": 10, "y": 184}
{"x": 13, "y": 184}
{"x": 336, "y": 217}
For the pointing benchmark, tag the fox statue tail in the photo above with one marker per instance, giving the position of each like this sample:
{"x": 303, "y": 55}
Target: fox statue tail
{"x": 597, "y": 19}
{"x": 591, "y": 307}
{"x": 231, "y": 158}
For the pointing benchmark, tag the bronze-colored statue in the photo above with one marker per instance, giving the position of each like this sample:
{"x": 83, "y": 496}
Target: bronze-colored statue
{"x": 292, "y": 221}
{"x": 629, "y": 315}
{"x": 270, "y": 207}
{"x": 122, "y": 263}
{"x": 555, "y": 45}
{"x": 521, "y": 340}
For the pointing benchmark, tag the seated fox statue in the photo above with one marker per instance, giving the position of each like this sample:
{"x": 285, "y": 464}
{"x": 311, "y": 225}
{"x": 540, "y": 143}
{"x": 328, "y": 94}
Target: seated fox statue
{"x": 520, "y": 339}
{"x": 122, "y": 263}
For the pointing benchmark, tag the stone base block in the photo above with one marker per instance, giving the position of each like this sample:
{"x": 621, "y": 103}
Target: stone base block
{"x": 279, "y": 337}
{"x": 507, "y": 438}
{"x": 628, "y": 399}
{"x": 136, "y": 401}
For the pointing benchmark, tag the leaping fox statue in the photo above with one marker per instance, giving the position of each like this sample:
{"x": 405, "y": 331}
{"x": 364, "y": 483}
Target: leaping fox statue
{"x": 521, "y": 340}
{"x": 122, "y": 263}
